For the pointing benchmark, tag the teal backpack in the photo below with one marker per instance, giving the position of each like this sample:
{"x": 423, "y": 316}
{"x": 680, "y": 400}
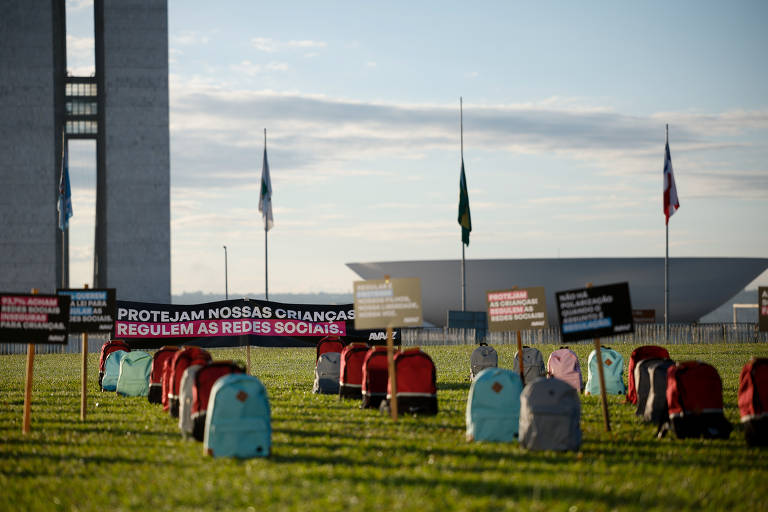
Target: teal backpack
{"x": 613, "y": 368}
{"x": 111, "y": 370}
{"x": 493, "y": 407}
{"x": 135, "y": 369}
{"x": 238, "y": 420}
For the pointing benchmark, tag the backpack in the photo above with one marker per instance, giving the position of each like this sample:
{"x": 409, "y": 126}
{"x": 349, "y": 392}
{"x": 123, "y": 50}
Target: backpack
{"x": 166, "y": 381}
{"x": 416, "y": 391}
{"x": 613, "y": 369}
{"x": 205, "y": 378}
{"x": 106, "y": 349}
{"x": 181, "y": 360}
{"x": 550, "y": 413}
{"x": 656, "y": 410}
{"x": 753, "y": 401}
{"x": 564, "y": 364}
{"x": 640, "y": 353}
{"x": 185, "y": 396}
{"x": 375, "y": 377}
{"x": 695, "y": 402}
{"x": 330, "y": 343}
{"x": 327, "y": 372}
{"x": 135, "y": 367}
{"x": 111, "y": 370}
{"x": 238, "y": 419}
{"x": 156, "y": 377}
{"x": 482, "y": 357}
{"x": 533, "y": 365}
{"x": 493, "y": 406}
{"x": 351, "y": 373}
{"x": 642, "y": 380}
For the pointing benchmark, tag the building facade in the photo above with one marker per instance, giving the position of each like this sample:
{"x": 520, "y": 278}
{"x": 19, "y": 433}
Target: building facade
{"x": 124, "y": 108}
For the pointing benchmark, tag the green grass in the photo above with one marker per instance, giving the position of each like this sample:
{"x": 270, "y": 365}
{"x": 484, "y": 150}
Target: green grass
{"x": 330, "y": 455}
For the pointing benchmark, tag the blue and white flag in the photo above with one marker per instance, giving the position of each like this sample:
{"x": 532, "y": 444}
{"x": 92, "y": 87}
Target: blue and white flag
{"x": 671, "y": 202}
{"x": 265, "y": 196}
{"x": 64, "y": 205}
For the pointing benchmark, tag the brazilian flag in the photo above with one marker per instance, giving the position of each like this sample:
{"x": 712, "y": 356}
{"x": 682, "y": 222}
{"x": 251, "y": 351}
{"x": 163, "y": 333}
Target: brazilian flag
{"x": 465, "y": 219}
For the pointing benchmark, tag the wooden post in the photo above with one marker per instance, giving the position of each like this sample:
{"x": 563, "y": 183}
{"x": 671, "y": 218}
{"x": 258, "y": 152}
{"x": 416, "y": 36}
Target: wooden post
{"x": 601, "y": 374}
{"x": 520, "y": 357}
{"x": 84, "y": 374}
{"x": 26, "y": 425}
{"x": 248, "y": 355}
{"x": 392, "y": 373}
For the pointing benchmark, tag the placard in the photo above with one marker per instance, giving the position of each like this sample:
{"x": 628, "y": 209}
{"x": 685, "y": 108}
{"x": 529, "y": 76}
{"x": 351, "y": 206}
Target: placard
{"x": 762, "y": 308}
{"x": 517, "y": 310}
{"x": 388, "y": 303}
{"x": 644, "y": 316}
{"x": 27, "y": 318}
{"x": 90, "y": 310}
{"x": 595, "y": 312}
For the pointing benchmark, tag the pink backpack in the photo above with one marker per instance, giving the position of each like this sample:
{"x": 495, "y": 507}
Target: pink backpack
{"x": 564, "y": 364}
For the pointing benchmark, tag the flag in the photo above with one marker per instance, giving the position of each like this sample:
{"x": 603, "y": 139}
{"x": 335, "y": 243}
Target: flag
{"x": 465, "y": 220}
{"x": 265, "y": 196}
{"x": 64, "y": 205}
{"x": 671, "y": 203}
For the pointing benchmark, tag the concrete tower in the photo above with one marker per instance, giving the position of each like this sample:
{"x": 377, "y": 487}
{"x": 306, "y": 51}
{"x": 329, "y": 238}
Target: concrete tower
{"x": 124, "y": 108}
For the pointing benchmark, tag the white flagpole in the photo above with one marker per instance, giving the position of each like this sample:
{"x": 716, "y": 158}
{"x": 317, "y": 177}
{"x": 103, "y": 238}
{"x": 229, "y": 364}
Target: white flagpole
{"x": 666, "y": 258}
{"x": 266, "y": 254}
{"x": 463, "y": 267}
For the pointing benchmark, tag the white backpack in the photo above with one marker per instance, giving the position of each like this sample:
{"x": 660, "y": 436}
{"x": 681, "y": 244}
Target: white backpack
{"x": 327, "y": 372}
{"x": 482, "y": 357}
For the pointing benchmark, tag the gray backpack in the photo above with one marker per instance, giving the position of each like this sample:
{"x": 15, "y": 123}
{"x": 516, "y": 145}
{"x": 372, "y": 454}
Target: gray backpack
{"x": 327, "y": 372}
{"x": 533, "y": 365}
{"x": 656, "y": 410}
{"x": 185, "y": 399}
{"x": 642, "y": 384}
{"x": 550, "y": 416}
{"x": 482, "y": 357}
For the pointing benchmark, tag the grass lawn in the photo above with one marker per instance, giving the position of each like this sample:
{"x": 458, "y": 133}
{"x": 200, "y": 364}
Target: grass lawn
{"x": 330, "y": 455}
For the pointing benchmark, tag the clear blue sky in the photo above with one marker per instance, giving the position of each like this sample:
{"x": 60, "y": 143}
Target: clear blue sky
{"x": 564, "y": 111}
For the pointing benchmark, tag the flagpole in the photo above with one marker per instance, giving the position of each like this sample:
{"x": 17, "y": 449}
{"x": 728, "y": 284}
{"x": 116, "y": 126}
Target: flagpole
{"x": 266, "y": 253}
{"x": 463, "y": 265}
{"x": 666, "y": 267}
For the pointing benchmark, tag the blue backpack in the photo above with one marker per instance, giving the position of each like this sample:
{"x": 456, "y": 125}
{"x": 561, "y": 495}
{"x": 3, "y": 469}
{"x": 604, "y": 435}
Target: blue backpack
{"x": 135, "y": 369}
{"x": 613, "y": 368}
{"x": 237, "y": 423}
{"x": 493, "y": 407}
{"x": 111, "y": 370}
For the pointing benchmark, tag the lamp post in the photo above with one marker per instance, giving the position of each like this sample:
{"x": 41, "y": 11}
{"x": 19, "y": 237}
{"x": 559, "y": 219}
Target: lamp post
{"x": 226, "y": 284}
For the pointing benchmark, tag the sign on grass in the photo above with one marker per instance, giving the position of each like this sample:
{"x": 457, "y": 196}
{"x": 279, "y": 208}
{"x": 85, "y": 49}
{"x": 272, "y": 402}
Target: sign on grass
{"x": 387, "y": 303}
{"x": 517, "y": 310}
{"x": 595, "y": 312}
{"x": 27, "y": 318}
{"x": 90, "y": 310}
{"x": 762, "y": 308}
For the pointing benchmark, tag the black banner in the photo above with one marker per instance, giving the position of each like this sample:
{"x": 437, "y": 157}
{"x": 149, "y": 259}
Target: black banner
{"x": 90, "y": 310}
{"x": 27, "y": 318}
{"x": 595, "y": 312}
{"x": 762, "y": 308}
{"x": 238, "y": 322}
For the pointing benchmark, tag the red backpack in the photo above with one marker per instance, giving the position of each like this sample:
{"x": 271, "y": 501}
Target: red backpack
{"x": 205, "y": 378}
{"x": 330, "y": 343}
{"x": 106, "y": 349}
{"x": 416, "y": 383}
{"x": 695, "y": 402}
{"x": 753, "y": 401}
{"x": 375, "y": 376}
{"x": 640, "y": 353}
{"x": 180, "y": 362}
{"x": 156, "y": 377}
{"x": 351, "y": 373}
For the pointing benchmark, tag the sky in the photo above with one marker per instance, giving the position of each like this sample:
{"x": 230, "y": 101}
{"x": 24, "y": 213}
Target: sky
{"x": 564, "y": 113}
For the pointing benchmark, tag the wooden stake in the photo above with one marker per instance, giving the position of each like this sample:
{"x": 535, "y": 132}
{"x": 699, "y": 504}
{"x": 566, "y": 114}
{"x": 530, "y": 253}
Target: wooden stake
{"x": 520, "y": 357}
{"x": 248, "y": 355}
{"x": 601, "y": 374}
{"x": 392, "y": 373}
{"x": 26, "y": 425}
{"x": 84, "y": 374}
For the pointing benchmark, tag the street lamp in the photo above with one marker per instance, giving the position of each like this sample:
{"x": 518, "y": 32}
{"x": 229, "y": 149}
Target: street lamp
{"x": 226, "y": 284}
